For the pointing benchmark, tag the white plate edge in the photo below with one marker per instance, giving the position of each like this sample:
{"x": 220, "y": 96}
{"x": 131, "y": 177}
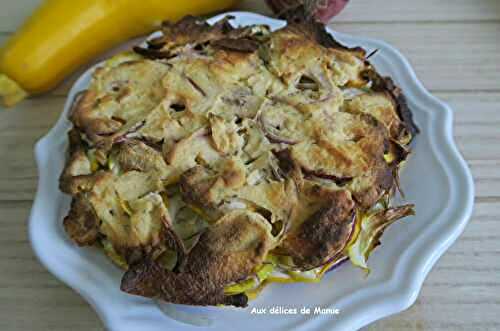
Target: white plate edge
{"x": 402, "y": 294}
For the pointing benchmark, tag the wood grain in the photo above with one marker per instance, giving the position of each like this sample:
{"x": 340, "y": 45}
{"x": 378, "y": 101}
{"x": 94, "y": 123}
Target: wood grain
{"x": 31, "y": 298}
{"x": 454, "y": 46}
{"x": 445, "y": 56}
{"x": 13, "y": 12}
{"x": 369, "y": 11}
{"x": 464, "y": 283}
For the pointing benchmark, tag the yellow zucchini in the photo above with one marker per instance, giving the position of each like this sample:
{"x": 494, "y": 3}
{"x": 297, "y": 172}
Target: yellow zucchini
{"x": 62, "y": 35}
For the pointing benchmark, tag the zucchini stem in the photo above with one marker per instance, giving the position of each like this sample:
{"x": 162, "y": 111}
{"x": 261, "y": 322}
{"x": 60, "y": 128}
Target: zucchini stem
{"x": 11, "y": 92}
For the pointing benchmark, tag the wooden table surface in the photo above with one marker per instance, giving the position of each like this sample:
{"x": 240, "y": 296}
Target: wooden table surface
{"x": 454, "y": 46}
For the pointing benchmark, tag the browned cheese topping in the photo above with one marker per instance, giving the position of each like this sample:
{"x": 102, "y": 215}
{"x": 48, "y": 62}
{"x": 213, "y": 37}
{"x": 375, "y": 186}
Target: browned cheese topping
{"x": 195, "y": 157}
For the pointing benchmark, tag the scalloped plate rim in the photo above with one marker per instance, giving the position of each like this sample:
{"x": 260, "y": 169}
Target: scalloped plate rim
{"x": 402, "y": 289}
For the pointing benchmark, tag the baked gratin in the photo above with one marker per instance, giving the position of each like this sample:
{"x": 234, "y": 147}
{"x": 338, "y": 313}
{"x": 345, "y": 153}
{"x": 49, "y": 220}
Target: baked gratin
{"x": 216, "y": 160}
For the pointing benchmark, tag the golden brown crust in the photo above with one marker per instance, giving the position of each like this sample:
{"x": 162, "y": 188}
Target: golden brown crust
{"x": 386, "y": 84}
{"x": 193, "y": 32}
{"x": 324, "y": 234}
{"x": 382, "y": 107}
{"x": 136, "y": 155}
{"x": 82, "y": 224}
{"x": 149, "y": 279}
{"x": 300, "y": 22}
{"x": 77, "y": 164}
{"x": 227, "y": 252}
{"x": 195, "y": 156}
{"x": 118, "y": 99}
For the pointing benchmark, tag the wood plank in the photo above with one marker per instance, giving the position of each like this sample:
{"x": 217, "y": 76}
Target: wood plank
{"x": 14, "y": 12}
{"x": 20, "y": 129}
{"x": 476, "y": 123}
{"x": 454, "y": 47}
{"x": 439, "y": 60}
{"x": 445, "y": 56}
{"x": 462, "y": 291}
{"x": 391, "y": 11}
{"x": 486, "y": 174}
{"x": 476, "y": 136}
{"x": 404, "y": 11}
{"x": 30, "y": 297}
{"x": 464, "y": 281}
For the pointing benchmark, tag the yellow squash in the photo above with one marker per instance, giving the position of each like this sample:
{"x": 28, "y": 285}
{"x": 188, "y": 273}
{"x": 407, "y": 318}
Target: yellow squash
{"x": 62, "y": 35}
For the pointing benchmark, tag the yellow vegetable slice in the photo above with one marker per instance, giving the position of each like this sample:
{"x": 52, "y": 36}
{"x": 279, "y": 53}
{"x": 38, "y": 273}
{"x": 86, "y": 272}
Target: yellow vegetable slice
{"x": 250, "y": 285}
{"x": 126, "y": 207}
{"x": 304, "y": 276}
{"x": 94, "y": 164}
{"x": 63, "y": 35}
{"x": 254, "y": 293}
{"x": 240, "y": 287}
{"x": 10, "y": 92}
{"x": 265, "y": 271}
{"x": 329, "y": 265}
{"x": 113, "y": 255}
{"x": 369, "y": 230}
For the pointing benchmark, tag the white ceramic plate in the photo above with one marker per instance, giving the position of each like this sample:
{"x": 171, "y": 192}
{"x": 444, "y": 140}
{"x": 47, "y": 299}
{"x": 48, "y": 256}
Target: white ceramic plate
{"x": 436, "y": 179}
